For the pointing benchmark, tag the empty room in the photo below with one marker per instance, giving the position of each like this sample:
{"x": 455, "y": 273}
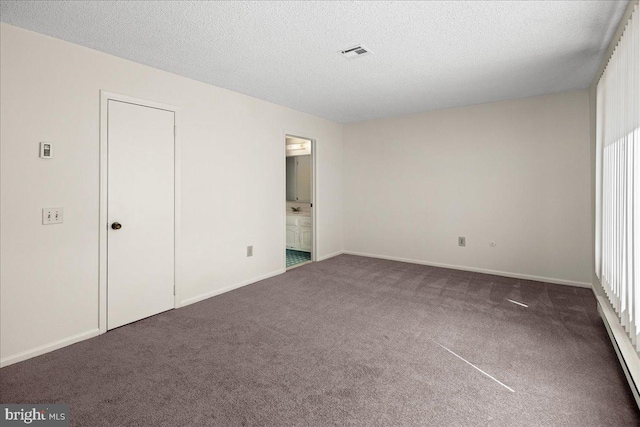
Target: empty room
{"x": 279, "y": 213}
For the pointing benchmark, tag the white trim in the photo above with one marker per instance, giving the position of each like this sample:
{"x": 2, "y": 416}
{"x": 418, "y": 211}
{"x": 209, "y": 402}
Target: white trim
{"x": 177, "y": 207}
{"x": 102, "y": 219}
{"x": 322, "y": 258}
{"x": 476, "y": 270}
{"x": 314, "y": 193}
{"x": 629, "y": 359}
{"x": 48, "y": 347}
{"x": 216, "y": 292}
{"x": 314, "y": 196}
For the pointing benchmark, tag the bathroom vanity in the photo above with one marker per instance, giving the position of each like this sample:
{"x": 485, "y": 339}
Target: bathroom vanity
{"x": 299, "y": 234}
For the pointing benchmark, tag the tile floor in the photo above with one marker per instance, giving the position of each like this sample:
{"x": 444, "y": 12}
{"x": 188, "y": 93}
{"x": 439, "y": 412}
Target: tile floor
{"x": 297, "y": 257}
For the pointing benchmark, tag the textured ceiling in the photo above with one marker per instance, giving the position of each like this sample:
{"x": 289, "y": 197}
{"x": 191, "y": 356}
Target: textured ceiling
{"x": 427, "y": 55}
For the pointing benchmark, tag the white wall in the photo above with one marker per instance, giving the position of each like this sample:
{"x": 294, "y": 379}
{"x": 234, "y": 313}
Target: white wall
{"x": 232, "y": 194}
{"x": 514, "y": 172}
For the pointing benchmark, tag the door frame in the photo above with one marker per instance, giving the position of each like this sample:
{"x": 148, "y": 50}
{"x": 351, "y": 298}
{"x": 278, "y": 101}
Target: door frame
{"x": 103, "y": 225}
{"x": 314, "y": 192}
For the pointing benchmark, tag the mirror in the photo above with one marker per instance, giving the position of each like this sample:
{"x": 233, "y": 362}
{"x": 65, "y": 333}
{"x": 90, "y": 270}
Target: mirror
{"x": 299, "y": 179}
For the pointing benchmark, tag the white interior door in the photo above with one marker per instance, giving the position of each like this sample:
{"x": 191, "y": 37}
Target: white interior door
{"x": 140, "y": 254}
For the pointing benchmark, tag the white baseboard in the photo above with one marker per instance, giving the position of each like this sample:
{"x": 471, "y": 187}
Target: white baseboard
{"x": 627, "y": 355}
{"x": 204, "y": 296}
{"x": 322, "y": 258}
{"x": 476, "y": 270}
{"x": 48, "y": 347}
{"x": 95, "y": 332}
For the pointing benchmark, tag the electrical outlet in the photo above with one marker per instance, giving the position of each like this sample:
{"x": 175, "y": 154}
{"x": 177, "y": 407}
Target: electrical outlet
{"x": 462, "y": 241}
{"x": 249, "y": 251}
{"x": 51, "y": 216}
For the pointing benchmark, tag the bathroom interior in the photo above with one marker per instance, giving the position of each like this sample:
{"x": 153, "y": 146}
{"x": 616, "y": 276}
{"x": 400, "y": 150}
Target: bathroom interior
{"x": 299, "y": 207}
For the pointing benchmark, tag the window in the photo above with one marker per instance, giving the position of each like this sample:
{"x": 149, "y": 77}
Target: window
{"x": 618, "y": 178}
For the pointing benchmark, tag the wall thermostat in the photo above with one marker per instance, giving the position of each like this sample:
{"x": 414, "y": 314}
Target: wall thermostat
{"x": 46, "y": 150}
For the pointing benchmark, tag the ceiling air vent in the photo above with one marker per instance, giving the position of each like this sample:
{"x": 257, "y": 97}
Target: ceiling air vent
{"x": 355, "y": 52}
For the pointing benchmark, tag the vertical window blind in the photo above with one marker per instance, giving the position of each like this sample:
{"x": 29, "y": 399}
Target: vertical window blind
{"x": 618, "y": 149}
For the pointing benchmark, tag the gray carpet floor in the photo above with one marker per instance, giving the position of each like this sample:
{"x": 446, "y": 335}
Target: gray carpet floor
{"x": 347, "y": 341}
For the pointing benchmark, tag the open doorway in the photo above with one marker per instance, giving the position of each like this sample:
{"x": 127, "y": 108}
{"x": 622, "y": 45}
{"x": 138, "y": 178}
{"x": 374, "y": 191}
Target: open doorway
{"x": 300, "y": 238}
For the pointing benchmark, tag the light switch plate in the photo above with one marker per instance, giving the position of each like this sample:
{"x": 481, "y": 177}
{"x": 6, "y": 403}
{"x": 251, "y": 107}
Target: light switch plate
{"x": 51, "y": 216}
